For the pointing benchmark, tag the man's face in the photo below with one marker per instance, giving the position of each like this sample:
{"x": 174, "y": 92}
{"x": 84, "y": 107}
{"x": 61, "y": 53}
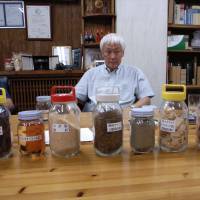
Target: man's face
{"x": 112, "y": 54}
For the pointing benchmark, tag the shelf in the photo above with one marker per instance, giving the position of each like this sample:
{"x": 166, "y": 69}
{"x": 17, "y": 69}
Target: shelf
{"x": 98, "y": 15}
{"x": 91, "y": 45}
{"x": 185, "y": 51}
{"x": 193, "y": 87}
{"x": 183, "y": 26}
{"x": 43, "y": 73}
{"x": 96, "y": 22}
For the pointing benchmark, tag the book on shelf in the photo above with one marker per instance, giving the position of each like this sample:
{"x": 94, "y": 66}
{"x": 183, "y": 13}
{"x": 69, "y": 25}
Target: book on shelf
{"x": 193, "y": 105}
{"x": 180, "y": 72}
{"x": 184, "y": 13}
{"x": 170, "y": 11}
{"x": 198, "y": 75}
{"x": 189, "y": 73}
{"x": 177, "y": 75}
{"x": 76, "y": 58}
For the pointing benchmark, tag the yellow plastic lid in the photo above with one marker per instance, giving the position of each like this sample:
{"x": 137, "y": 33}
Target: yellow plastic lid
{"x": 2, "y": 96}
{"x": 172, "y": 92}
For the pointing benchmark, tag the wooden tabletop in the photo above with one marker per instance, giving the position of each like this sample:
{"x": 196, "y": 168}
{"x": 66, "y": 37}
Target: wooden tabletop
{"x": 150, "y": 176}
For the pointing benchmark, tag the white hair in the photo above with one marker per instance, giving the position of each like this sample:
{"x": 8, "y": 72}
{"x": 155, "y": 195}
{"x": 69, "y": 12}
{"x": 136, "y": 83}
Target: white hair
{"x": 112, "y": 38}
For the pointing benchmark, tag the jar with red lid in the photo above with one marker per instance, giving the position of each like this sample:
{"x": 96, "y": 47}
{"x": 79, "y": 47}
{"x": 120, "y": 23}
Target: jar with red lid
{"x": 64, "y": 122}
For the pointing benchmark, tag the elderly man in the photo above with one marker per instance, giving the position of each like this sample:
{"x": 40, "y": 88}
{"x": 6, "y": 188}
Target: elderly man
{"x": 133, "y": 84}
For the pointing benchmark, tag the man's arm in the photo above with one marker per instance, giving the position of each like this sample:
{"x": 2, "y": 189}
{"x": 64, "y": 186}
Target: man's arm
{"x": 81, "y": 104}
{"x": 143, "y": 101}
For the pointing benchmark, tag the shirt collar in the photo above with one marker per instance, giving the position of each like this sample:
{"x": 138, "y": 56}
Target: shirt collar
{"x": 109, "y": 71}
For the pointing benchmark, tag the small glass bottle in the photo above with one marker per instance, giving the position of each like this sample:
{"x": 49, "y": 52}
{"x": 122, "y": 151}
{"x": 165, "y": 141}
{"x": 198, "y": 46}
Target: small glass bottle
{"x": 108, "y": 122}
{"x": 31, "y": 133}
{"x": 142, "y": 130}
{"x": 43, "y": 103}
{"x": 173, "y": 119}
{"x": 64, "y": 122}
{"x": 5, "y": 131}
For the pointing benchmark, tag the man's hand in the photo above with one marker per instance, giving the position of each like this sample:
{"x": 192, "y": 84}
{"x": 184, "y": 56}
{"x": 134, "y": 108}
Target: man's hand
{"x": 142, "y": 102}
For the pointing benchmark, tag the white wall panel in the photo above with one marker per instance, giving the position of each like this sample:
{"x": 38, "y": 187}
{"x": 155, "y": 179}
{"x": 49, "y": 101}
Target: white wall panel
{"x": 143, "y": 24}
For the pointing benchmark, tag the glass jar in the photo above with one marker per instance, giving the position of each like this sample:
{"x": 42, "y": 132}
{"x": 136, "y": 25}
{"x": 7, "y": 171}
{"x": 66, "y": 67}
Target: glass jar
{"x": 31, "y": 133}
{"x": 5, "y": 131}
{"x": 43, "y": 103}
{"x": 173, "y": 119}
{"x": 142, "y": 130}
{"x": 108, "y": 123}
{"x": 64, "y": 122}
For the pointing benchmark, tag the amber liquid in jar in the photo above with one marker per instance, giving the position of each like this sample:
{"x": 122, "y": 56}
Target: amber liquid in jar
{"x": 31, "y": 134}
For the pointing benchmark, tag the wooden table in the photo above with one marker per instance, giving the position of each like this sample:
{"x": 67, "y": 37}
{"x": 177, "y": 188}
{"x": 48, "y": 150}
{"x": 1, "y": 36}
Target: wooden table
{"x": 88, "y": 176}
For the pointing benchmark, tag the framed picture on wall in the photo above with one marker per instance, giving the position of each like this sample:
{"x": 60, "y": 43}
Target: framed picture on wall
{"x": 91, "y": 55}
{"x": 64, "y": 54}
{"x": 12, "y": 14}
{"x": 38, "y": 19}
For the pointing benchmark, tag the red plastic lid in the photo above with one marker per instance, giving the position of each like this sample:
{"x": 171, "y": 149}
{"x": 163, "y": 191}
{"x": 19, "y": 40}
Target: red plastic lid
{"x": 63, "y": 97}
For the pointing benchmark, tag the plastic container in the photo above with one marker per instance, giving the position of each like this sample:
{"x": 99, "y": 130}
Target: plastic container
{"x": 5, "y": 131}
{"x": 31, "y": 133}
{"x": 142, "y": 130}
{"x": 173, "y": 119}
{"x": 108, "y": 122}
{"x": 43, "y": 103}
{"x": 64, "y": 122}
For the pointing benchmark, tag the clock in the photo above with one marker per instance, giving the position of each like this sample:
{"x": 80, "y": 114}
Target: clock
{"x": 98, "y": 4}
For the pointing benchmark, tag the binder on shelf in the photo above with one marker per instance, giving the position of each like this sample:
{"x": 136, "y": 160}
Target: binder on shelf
{"x": 171, "y": 11}
{"x": 189, "y": 74}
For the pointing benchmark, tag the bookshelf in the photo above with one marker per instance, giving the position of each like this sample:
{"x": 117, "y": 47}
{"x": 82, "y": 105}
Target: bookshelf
{"x": 98, "y": 19}
{"x": 184, "y": 51}
{"x": 184, "y": 54}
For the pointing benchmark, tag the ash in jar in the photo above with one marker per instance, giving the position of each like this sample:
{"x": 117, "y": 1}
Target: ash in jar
{"x": 64, "y": 136}
{"x": 142, "y": 130}
{"x": 108, "y": 132}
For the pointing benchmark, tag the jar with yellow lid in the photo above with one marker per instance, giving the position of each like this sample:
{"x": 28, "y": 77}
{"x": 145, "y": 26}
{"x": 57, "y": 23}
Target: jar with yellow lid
{"x": 173, "y": 126}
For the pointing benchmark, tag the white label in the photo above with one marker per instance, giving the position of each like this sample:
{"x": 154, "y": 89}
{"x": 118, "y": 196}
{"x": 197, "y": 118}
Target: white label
{"x": 112, "y": 127}
{"x": 167, "y": 125}
{"x": 1, "y": 130}
{"x": 60, "y": 128}
{"x": 30, "y": 138}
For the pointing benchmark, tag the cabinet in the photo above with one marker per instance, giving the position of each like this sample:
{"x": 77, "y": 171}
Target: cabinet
{"x": 98, "y": 19}
{"x": 184, "y": 48}
{"x": 25, "y": 86}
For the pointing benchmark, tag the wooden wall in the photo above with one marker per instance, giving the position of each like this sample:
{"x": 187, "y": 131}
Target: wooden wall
{"x": 66, "y": 24}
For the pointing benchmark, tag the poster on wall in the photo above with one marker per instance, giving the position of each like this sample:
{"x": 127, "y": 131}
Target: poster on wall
{"x": 12, "y": 14}
{"x": 38, "y": 18}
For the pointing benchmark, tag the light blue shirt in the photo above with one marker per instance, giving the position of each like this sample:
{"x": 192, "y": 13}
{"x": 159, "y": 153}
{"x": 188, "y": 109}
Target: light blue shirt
{"x": 131, "y": 81}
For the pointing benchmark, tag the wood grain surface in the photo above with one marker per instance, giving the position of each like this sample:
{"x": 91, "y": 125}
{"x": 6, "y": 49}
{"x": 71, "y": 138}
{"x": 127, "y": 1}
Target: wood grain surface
{"x": 151, "y": 176}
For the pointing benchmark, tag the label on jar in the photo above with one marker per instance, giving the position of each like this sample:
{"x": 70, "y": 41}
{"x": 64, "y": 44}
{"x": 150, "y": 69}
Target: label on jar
{"x": 61, "y": 128}
{"x": 1, "y": 130}
{"x": 113, "y": 127}
{"x": 23, "y": 138}
{"x": 167, "y": 125}
{"x": 31, "y": 134}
